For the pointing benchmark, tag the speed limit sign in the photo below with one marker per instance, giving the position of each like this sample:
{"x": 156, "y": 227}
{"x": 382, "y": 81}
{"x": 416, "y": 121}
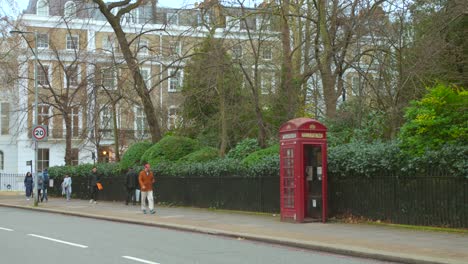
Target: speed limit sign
{"x": 39, "y": 133}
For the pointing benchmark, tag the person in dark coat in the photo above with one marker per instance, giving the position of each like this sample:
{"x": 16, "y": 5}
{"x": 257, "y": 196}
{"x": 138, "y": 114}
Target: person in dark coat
{"x": 94, "y": 178}
{"x": 131, "y": 184}
{"x": 28, "y": 184}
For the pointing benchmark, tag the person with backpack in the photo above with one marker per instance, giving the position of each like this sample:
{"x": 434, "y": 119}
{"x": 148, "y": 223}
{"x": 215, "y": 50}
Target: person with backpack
{"x": 45, "y": 176}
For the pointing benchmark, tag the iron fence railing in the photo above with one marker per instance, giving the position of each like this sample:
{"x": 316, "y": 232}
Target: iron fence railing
{"x": 11, "y": 182}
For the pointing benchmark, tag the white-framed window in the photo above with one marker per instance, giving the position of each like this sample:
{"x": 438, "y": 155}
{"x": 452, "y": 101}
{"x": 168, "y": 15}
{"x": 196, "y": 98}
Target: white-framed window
{"x": 175, "y": 47}
{"x": 203, "y": 18}
{"x": 172, "y": 117}
{"x": 43, "y": 74}
{"x": 108, "y": 43}
{"x": 43, "y": 40}
{"x": 2, "y": 161}
{"x": 71, "y": 76}
{"x": 141, "y": 125}
{"x": 109, "y": 78}
{"x": 175, "y": 80}
{"x": 146, "y": 74}
{"x": 232, "y": 23}
{"x": 73, "y": 42}
{"x": 106, "y": 124}
{"x": 267, "y": 82}
{"x": 5, "y": 118}
{"x": 43, "y": 158}
{"x": 43, "y": 114}
{"x": 130, "y": 17}
{"x": 143, "y": 47}
{"x": 42, "y": 8}
{"x": 70, "y": 9}
{"x": 172, "y": 18}
{"x": 263, "y": 23}
{"x": 237, "y": 52}
{"x": 266, "y": 53}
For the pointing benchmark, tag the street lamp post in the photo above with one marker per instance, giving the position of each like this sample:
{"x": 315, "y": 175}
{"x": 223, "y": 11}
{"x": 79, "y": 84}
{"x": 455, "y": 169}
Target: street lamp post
{"x": 35, "y": 121}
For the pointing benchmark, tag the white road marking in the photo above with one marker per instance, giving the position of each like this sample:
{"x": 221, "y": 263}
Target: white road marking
{"x": 6, "y": 229}
{"x": 58, "y": 241}
{"x": 140, "y": 260}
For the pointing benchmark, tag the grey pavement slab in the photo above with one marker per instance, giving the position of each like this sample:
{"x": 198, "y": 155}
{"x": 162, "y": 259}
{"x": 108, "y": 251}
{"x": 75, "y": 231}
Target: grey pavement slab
{"x": 379, "y": 242}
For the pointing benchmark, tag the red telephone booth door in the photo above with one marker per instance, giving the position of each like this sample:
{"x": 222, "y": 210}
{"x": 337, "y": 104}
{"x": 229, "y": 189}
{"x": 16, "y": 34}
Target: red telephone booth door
{"x": 288, "y": 184}
{"x": 314, "y": 181}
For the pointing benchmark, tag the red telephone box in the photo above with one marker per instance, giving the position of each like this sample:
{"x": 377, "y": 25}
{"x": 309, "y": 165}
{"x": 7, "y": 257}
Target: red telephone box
{"x": 303, "y": 170}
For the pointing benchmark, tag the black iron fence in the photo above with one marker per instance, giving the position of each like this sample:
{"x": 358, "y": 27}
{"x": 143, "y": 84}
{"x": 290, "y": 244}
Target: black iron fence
{"x": 439, "y": 201}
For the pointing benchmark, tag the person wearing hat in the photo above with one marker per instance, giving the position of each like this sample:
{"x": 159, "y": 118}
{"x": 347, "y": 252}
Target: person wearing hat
{"x": 146, "y": 180}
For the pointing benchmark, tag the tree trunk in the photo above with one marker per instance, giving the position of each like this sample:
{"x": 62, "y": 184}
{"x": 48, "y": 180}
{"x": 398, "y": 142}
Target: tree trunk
{"x": 68, "y": 139}
{"x": 116, "y": 132}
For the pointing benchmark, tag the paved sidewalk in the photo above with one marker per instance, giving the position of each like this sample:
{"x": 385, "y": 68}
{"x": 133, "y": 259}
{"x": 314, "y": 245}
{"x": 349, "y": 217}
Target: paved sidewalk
{"x": 379, "y": 242}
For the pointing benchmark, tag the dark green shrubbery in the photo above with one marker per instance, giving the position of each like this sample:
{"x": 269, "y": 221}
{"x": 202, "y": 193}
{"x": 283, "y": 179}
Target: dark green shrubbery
{"x": 201, "y": 155}
{"x": 243, "y": 149}
{"x": 170, "y": 148}
{"x": 133, "y": 155}
{"x": 83, "y": 170}
{"x": 258, "y": 156}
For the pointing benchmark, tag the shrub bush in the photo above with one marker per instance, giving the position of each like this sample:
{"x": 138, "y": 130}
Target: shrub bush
{"x": 202, "y": 155}
{"x": 257, "y": 157}
{"x": 243, "y": 149}
{"x": 133, "y": 155}
{"x": 84, "y": 170}
{"x": 169, "y": 148}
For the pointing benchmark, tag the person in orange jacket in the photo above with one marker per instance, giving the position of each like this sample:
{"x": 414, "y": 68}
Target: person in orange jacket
{"x": 146, "y": 180}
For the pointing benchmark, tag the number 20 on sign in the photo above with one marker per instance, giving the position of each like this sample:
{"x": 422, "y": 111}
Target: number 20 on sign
{"x": 39, "y": 133}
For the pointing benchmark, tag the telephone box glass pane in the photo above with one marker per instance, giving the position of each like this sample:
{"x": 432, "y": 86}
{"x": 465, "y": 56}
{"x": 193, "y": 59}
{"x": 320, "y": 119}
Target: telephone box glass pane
{"x": 288, "y": 179}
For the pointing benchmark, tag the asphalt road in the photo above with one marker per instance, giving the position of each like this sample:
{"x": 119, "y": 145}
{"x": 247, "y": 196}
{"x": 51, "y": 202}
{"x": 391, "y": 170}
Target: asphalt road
{"x": 39, "y": 237}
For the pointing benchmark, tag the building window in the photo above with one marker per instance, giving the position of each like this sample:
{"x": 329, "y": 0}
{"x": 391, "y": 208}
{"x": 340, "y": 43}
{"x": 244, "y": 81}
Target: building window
{"x": 267, "y": 82}
{"x": 42, "y": 8}
{"x": 71, "y": 76}
{"x": 5, "y": 119}
{"x": 266, "y": 53}
{"x": 143, "y": 47}
{"x": 174, "y": 47}
{"x": 141, "y": 126}
{"x": 146, "y": 75}
{"x": 263, "y": 24}
{"x": 106, "y": 122}
{"x": 42, "y": 159}
{"x": 43, "y": 115}
{"x": 73, "y": 42}
{"x": 70, "y": 9}
{"x": 109, "y": 80}
{"x": 237, "y": 52}
{"x": 42, "y": 75}
{"x": 175, "y": 80}
{"x": 172, "y": 117}
{"x": 108, "y": 44}
{"x": 131, "y": 17}
{"x": 232, "y": 23}
{"x": 43, "y": 40}
{"x": 75, "y": 156}
{"x": 2, "y": 161}
{"x": 172, "y": 18}
{"x": 203, "y": 19}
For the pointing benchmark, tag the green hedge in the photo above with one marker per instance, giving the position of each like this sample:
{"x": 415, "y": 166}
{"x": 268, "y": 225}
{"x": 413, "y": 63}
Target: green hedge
{"x": 133, "y": 155}
{"x": 202, "y": 155}
{"x": 169, "y": 148}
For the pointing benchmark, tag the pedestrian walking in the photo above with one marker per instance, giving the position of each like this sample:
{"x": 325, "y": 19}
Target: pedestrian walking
{"x": 146, "y": 180}
{"x": 45, "y": 175}
{"x": 67, "y": 187}
{"x": 28, "y": 184}
{"x": 131, "y": 184}
{"x": 40, "y": 183}
{"x": 93, "y": 181}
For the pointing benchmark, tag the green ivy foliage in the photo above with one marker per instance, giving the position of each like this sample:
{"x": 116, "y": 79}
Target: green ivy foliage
{"x": 439, "y": 118}
{"x": 243, "y": 149}
{"x": 202, "y": 155}
{"x": 133, "y": 155}
{"x": 258, "y": 156}
{"x": 169, "y": 148}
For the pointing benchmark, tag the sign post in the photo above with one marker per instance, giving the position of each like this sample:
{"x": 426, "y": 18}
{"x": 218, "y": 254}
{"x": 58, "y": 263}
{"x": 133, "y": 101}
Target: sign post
{"x": 39, "y": 133}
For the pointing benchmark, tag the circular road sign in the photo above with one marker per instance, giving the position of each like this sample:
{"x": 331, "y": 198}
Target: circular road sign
{"x": 39, "y": 132}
